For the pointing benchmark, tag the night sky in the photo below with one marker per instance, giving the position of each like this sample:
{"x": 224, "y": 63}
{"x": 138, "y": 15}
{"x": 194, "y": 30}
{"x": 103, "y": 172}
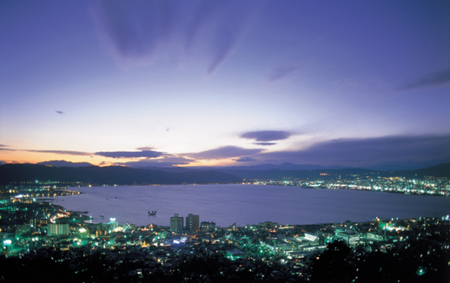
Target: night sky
{"x": 225, "y": 83}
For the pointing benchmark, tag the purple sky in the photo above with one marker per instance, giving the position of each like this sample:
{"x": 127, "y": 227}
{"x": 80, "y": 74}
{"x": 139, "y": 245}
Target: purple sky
{"x": 160, "y": 83}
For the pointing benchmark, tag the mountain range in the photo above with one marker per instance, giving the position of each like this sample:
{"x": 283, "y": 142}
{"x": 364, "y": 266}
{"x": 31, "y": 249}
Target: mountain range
{"x": 125, "y": 175}
{"x": 261, "y": 167}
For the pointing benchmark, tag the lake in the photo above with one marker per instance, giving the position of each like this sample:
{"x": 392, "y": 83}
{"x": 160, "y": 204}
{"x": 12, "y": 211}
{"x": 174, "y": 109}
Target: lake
{"x": 248, "y": 204}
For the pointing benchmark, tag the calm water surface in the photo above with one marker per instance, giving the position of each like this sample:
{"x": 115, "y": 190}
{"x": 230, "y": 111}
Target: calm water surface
{"x": 248, "y": 204}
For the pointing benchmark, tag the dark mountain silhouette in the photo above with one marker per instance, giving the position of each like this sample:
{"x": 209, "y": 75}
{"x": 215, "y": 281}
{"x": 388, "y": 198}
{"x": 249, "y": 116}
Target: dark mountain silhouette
{"x": 107, "y": 175}
{"x": 261, "y": 167}
{"x": 284, "y": 166}
{"x": 404, "y": 166}
{"x": 442, "y": 170}
{"x": 63, "y": 163}
{"x": 125, "y": 175}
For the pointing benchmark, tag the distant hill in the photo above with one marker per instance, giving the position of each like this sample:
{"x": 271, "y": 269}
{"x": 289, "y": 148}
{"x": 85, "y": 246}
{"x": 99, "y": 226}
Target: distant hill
{"x": 107, "y": 175}
{"x": 284, "y": 166}
{"x": 265, "y": 167}
{"x": 404, "y": 166}
{"x": 125, "y": 175}
{"x": 63, "y": 163}
{"x": 442, "y": 170}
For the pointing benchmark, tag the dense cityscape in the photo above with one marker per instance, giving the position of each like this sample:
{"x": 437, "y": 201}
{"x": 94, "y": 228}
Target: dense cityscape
{"x": 427, "y": 186}
{"x": 33, "y": 230}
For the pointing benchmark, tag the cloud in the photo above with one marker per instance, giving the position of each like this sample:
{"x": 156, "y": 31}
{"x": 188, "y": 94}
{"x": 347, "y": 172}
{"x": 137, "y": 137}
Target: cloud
{"x": 227, "y": 21}
{"x": 133, "y": 31}
{"x": 64, "y": 163}
{"x": 130, "y": 154}
{"x": 111, "y": 154}
{"x": 223, "y": 152}
{"x": 145, "y": 148}
{"x": 436, "y": 78}
{"x": 365, "y": 152}
{"x": 231, "y": 23}
{"x": 245, "y": 159}
{"x": 59, "y": 112}
{"x": 281, "y": 72}
{"x": 5, "y": 147}
{"x": 65, "y": 152}
{"x": 265, "y": 143}
{"x": 201, "y": 15}
{"x": 265, "y": 136}
{"x": 162, "y": 162}
{"x": 2, "y": 162}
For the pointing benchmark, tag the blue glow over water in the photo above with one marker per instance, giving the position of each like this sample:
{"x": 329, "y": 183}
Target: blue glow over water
{"x": 248, "y": 204}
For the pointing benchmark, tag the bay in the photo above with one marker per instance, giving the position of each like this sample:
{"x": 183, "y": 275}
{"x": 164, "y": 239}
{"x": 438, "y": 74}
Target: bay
{"x": 248, "y": 204}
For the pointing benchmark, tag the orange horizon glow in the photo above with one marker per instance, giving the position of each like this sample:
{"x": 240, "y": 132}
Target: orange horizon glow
{"x": 22, "y": 157}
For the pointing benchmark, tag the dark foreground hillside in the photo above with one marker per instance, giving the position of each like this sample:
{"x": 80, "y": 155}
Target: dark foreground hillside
{"x": 422, "y": 261}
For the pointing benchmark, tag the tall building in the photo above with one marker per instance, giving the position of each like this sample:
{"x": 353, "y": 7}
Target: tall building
{"x": 58, "y": 229}
{"x": 192, "y": 222}
{"x": 176, "y": 223}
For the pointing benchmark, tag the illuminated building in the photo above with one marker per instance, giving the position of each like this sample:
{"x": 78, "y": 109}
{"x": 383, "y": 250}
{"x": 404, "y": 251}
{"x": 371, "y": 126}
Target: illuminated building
{"x": 192, "y": 222}
{"x": 111, "y": 225}
{"x": 208, "y": 226}
{"x": 58, "y": 229}
{"x": 176, "y": 223}
{"x": 83, "y": 233}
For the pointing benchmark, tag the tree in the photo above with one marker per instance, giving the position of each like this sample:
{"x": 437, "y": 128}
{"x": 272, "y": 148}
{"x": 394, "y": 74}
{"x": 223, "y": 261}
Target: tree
{"x": 335, "y": 264}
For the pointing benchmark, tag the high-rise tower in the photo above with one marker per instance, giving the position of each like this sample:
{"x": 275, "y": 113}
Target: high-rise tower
{"x": 176, "y": 223}
{"x": 192, "y": 222}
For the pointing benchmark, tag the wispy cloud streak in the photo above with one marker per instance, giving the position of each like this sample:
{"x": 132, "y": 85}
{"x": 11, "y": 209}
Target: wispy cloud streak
{"x": 134, "y": 30}
{"x": 281, "y": 72}
{"x": 231, "y": 23}
{"x": 433, "y": 79}
{"x": 265, "y": 143}
{"x": 160, "y": 162}
{"x": 266, "y": 136}
{"x": 130, "y": 154}
{"x": 110, "y": 154}
{"x": 245, "y": 159}
{"x": 223, "y": 152}
{"x": 64, "y": 152}
{"x": 5, "y": 147}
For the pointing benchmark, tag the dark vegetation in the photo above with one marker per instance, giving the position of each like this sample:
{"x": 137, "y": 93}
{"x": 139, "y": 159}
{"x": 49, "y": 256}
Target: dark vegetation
{"x": 338, "y": 263}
